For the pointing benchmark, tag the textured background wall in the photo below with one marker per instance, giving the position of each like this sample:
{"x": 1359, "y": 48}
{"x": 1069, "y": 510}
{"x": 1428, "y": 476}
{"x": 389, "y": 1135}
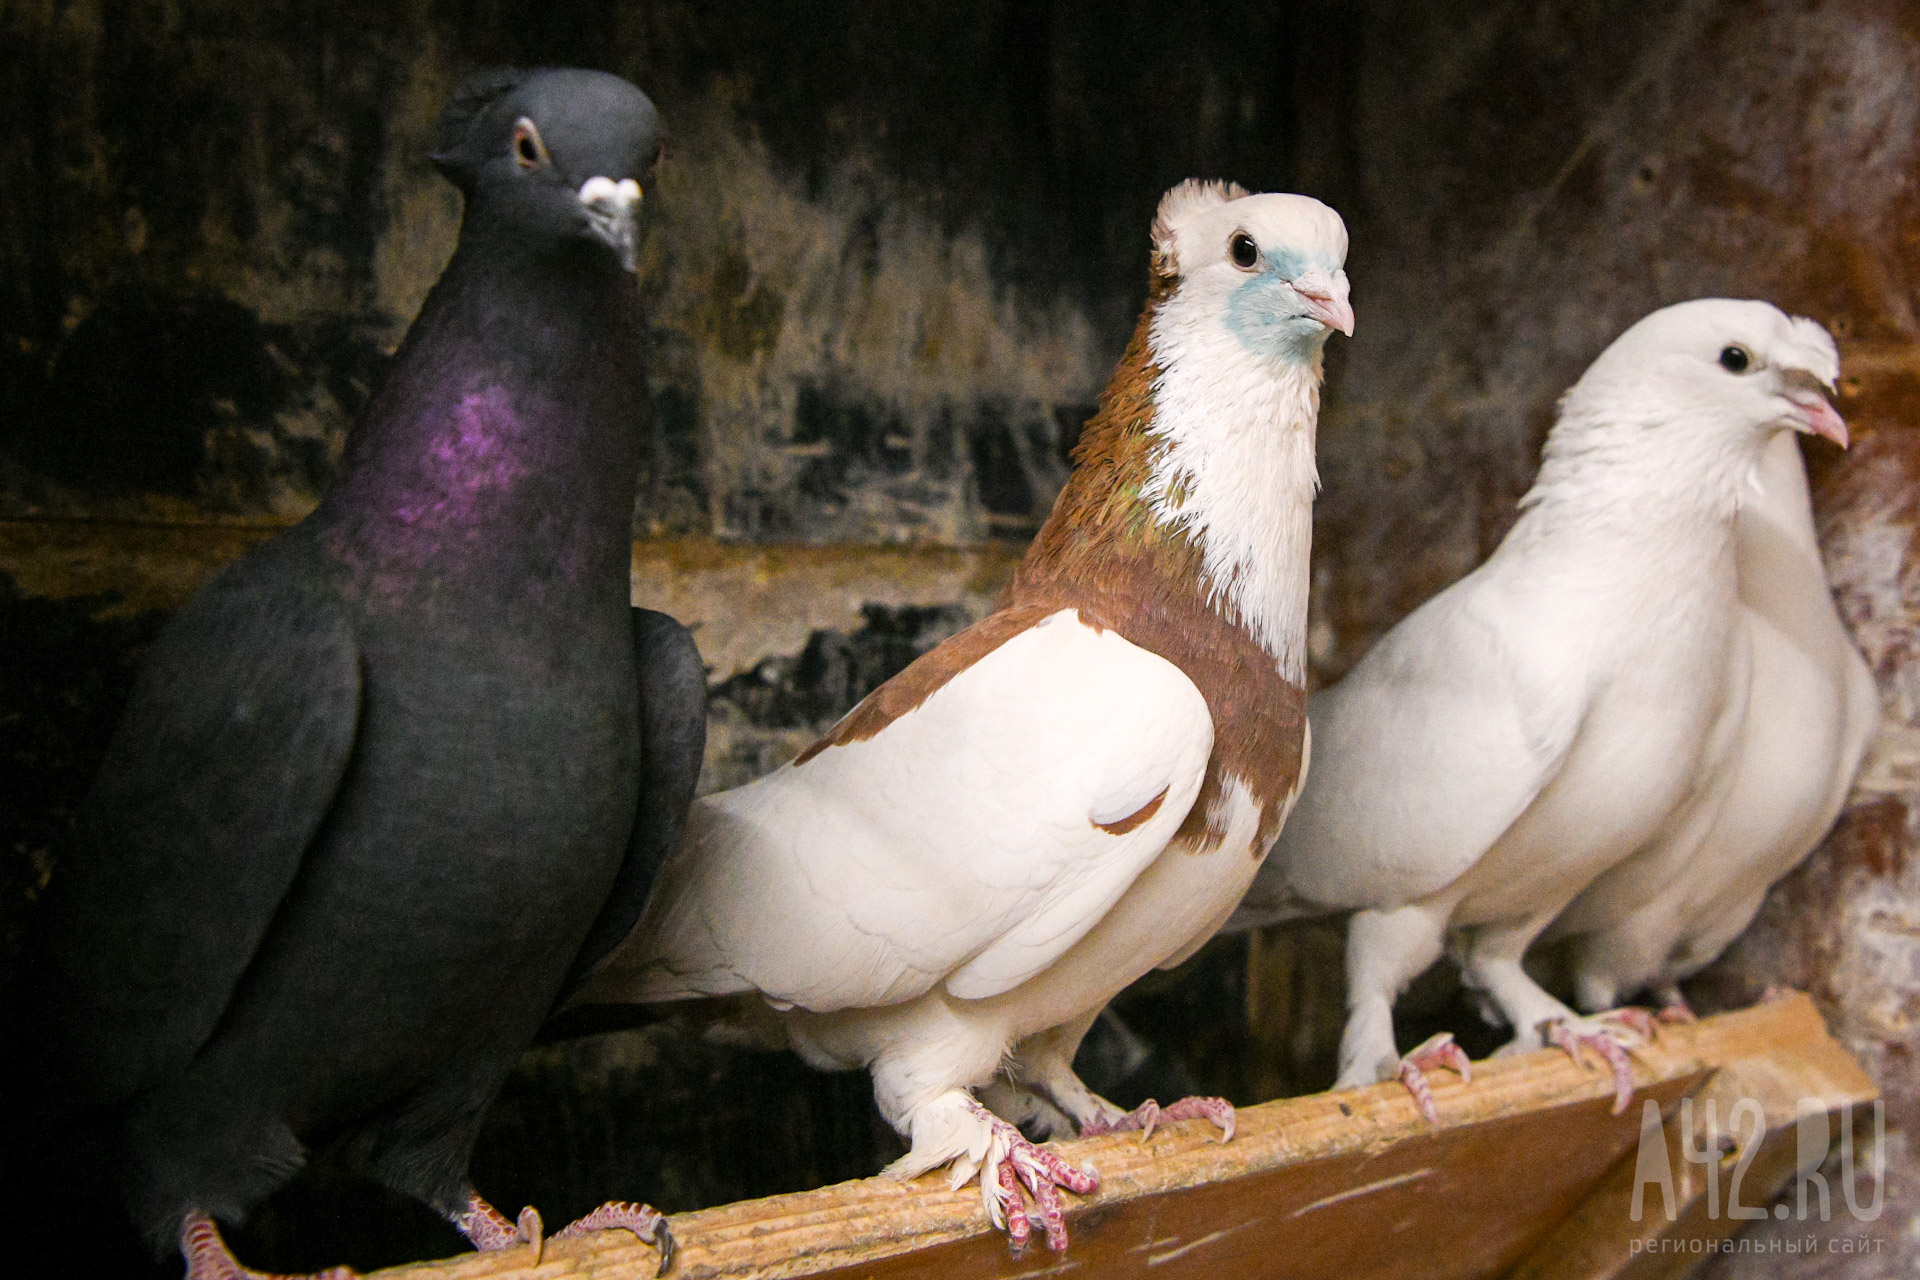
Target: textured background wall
{"x": 888, "y": 267}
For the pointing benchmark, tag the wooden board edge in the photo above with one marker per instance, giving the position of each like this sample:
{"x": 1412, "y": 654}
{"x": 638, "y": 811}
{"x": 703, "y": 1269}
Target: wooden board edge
{"x": 1778, "y": 1044}
{"x": 1749, "y": 1111}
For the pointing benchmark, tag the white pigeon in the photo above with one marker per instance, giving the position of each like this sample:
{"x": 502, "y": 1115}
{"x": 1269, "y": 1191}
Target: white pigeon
{"x": 1565, "y": 705}
{"x": 952, "y": 883}
{"x": 1671, "y": 909}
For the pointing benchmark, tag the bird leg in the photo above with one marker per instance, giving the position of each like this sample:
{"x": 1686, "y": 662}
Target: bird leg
{"x": 1434, "y": 1053}
{"x": 488, "y": 1229}
{"x": 1385, "y": 951}
{"x": 953, "y": 1128}
{"x": 1046, "y": 1067}
{"x": 208, "y": 1257}
{"x": 1027, "y": 1110}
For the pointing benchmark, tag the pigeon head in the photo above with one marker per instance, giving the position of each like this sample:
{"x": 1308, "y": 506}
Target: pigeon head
{"x": 1267, "y": 269}
{"x": 553, "y": 158}
{"x": 1718, "y": 365}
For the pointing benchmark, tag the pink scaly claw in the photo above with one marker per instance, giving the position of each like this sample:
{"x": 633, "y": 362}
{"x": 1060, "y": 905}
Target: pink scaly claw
{"x": 646, "y": 1223}
{"x": 488, "y": 1230}
{"x": 533, "y": 1231}
{"x": 1046, "y": 1198}
{"x": 1218, "y": 1110}
{"x": 208, "y": 1257}
{"x": 1145, "y": 1118}
{"x": 1561, "y": 1034}
{"x": 1013, "y": 1210}
{"x": 1148, "y": 1116}
{"x": 1042, "y": 1172}
{"x": 1435, "y": 1053}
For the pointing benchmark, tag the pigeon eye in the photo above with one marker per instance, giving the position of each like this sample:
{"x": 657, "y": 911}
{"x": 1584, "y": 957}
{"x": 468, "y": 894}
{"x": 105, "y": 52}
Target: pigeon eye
{"x": 528, "y": 150}
{"x": 1244, "y": 252}
{"x": 1735, "y": 359}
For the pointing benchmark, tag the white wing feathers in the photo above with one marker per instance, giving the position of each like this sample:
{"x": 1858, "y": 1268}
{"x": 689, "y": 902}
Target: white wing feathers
{"x": 1810, "y": 709}
{"x": 1463, "y": 679}
{"x": 959, "y": 844}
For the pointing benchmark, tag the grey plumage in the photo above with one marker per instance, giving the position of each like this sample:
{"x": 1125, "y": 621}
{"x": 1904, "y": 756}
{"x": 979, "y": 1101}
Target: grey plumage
{"x": 377, "y": 782}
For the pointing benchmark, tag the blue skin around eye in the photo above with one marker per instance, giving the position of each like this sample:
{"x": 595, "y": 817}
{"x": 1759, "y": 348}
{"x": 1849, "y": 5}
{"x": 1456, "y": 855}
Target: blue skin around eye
{"x": 1268, "y": 317}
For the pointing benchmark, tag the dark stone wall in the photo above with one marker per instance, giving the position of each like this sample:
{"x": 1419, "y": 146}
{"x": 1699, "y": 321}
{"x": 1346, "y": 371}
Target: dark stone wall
{"x": 892, "y": 258}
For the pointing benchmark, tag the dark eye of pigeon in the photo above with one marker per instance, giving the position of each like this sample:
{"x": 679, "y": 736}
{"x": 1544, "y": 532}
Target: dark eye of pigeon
{"x": 1244, "y": 252}
{"x": 528, "y": 149}
{"x": 1735, "y": 359}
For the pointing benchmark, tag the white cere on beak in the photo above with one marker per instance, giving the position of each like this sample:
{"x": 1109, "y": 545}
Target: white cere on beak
{"x": 613, "y": 210}
{"x": 1325, "y": 293}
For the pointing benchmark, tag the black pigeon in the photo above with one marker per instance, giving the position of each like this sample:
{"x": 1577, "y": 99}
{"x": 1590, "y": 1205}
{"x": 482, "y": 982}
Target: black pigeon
{"x": 389, "y": 782}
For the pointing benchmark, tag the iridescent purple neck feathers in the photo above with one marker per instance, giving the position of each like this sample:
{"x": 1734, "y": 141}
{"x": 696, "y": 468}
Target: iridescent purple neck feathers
{"x": 501, "y": 448}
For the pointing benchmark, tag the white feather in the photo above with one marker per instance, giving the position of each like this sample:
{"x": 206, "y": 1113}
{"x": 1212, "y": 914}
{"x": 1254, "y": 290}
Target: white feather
{"x": 957, "y": 846}
{"x": 1670, "y": 910}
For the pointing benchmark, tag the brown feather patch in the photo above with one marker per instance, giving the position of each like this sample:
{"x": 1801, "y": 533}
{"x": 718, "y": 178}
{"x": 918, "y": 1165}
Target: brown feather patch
{"x": 1134, "y": 819}
{"x": 1102, "y": 553}
{"x": 924, "y": 677}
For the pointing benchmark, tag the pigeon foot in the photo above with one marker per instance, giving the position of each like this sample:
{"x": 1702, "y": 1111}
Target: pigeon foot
{"x": 488, "y": 1228}
{"x": 1432, "y": 1054}
{"x": 208, "y": 1257}
{"x": 1013, "y": 1162}
{"x": 1611, "y": 1036}
{"x": 1646, "y": 1025}
{"x": 1149, "y": 1115}
{"x": 648, "y": 1224}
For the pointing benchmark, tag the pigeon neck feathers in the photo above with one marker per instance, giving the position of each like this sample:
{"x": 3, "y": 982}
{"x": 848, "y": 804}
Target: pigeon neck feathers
{"x": 1198, "y": 472}
{"x": 505, "y": 412}
{"x": 499, "y": 454}
{"x": 1667, "y": 427}
{"x": 1233, "y": 470}
{"x": 1643, "y": 467}
{"x": 1186, "y": 528}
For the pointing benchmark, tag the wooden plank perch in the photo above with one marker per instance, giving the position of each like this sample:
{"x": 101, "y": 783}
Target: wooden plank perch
{"x": 1527, "y": 1169}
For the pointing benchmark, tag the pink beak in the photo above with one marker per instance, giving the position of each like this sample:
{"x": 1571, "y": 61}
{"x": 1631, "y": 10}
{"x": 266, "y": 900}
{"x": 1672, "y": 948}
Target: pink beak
{"x": 1821, "y": 418}
{"x": 1326, "y": 297}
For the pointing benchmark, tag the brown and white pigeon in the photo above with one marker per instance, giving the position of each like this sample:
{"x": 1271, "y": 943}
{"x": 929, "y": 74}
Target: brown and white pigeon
{"x": 1671, "y": 909}
{"x": 1565, "y": 706}
{"x": 954, "y": 880}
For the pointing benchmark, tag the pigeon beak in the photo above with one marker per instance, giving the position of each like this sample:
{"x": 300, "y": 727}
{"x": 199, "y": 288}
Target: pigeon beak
{"x": 613, "y": 210}
{"x": 1819, "y": 418}
{"x": 1325, "y": 293}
